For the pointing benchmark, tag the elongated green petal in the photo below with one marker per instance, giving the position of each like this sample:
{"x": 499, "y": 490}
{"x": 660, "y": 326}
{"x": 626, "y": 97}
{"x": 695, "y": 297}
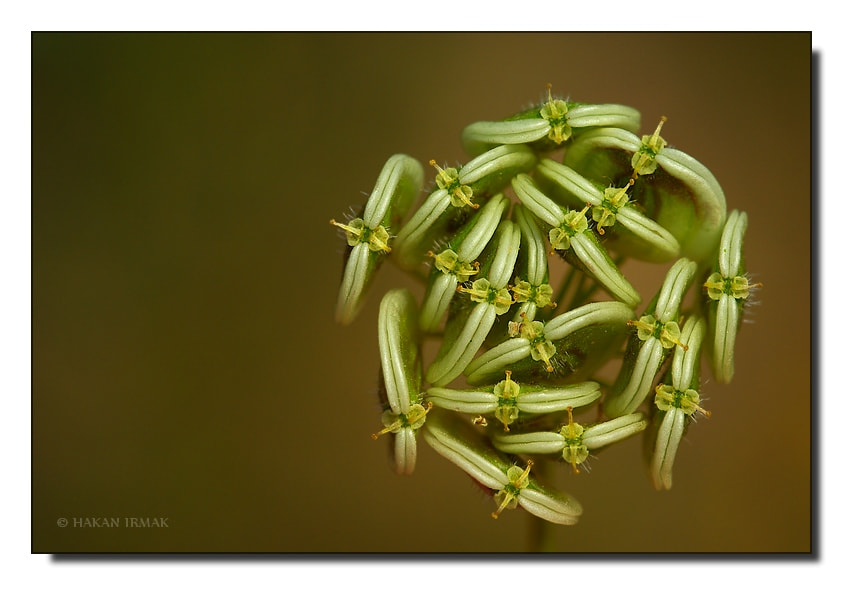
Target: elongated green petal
{"x": 603, "y": 269}
{"x": 585, "y": 155}
{"x": 401, "y": 370}
{"x": 592, "y": 314}
{"x": 640, "y": 237}
{"x": 390, "y": 200}
{"x": 537, "y": 202}
{"x": 613, "y": 431}
{"x": 590, "y": 333}
{"x": 532, "y": 288}
{"x": 495, "y": 167}
{"x": 487, "y": 220}
{"x": 699, "y": 236}
{"x": 460, "y": 444}
{"x": 678, "y": 279}
{"x": 418, "y": 234}
{"x": 496, "y": 360}
{"x": 726, "y": 323}
{"x": 452, "y": 439}
{"x": 481, "y": 136}
{"x": 604, "y": 115}
{"x": 359, "y": 269}
{"x": 550, "y": 505}
{"x": 468, "y": 401}
{"x": 557, "y": 399}
{"x": 573, "y": 183}
{"x": 508, "y": 245}
{"x": 653, "y": 243}
{"x": 438, "y": 296}
{"x": 685, "y": 366}
{"x": 731, "y": 258}
{"x": 645, "y": 368}
{"x": 543, "y": 443}
{"x": 536, "y": 271}
{"x": 728, "y": 289}
{"x": 399, "y": 354}
{"x": 405, "y": 451}
{"x": 397, "y": 185}
{"x": 453, "y": 361}
{"x": 666, "y": 446}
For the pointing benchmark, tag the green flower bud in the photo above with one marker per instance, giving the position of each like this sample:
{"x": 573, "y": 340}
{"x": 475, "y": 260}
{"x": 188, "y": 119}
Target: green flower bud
{"x": 673, "y": 189}
{"x": 369, "y": 236}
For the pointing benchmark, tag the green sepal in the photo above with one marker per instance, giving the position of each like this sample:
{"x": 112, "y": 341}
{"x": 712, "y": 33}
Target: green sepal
{"x": 437, "y": 217}
{"x": 629, "y": 232}
{"x": 573, "y": 241}
{"x": 469, "y": 325}
{"x": 681, "y": 195}
{"x": 583, "y": 338}
{"x": 434, "y": 222}
{"x": 466, "y": 448}
{"x": 530, "y": 282}
{"x": 644, "y": 357}
{"x": 534, "y": 126}
{"x": 532, "y": 399}
{"x": 468, "y": 243}
{"x": 591, "y": 437}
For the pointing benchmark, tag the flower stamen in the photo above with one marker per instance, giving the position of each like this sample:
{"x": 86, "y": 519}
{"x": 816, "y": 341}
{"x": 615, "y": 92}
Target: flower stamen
{"x": 643, "y": 160}
{"x": 508, "y": 495}
{"x": 459, "y": 194}
{"x": 668, "y": 333}
{"x": 413, "y": 419}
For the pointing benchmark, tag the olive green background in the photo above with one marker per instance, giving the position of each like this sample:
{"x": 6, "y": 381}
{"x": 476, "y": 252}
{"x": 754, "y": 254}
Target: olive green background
{"x": 186, "y": 363}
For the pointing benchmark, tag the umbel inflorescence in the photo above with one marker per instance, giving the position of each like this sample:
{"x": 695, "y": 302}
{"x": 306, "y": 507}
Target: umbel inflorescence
{"x": 564, "y": 185}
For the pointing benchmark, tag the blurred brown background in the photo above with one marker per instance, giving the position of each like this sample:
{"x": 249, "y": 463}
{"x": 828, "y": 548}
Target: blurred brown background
{"x": 186, "y": 363}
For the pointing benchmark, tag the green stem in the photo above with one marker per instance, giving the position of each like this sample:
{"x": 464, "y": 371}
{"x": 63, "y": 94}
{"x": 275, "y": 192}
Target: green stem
{"x": 564, "y": 288}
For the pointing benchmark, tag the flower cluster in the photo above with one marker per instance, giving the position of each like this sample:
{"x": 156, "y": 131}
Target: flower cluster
{"x": 520, "y": 250}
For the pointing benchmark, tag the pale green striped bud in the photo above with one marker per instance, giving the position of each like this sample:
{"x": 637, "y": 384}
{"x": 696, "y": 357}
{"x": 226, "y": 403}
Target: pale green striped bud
{"x": 402, "y": 376}
{"x": 656, "y": 333}
{"x": 684, "y": 198}
{"x": 369, "y": 236}
{"x": 460, "y": 444}
{"x": 728, "y": 289}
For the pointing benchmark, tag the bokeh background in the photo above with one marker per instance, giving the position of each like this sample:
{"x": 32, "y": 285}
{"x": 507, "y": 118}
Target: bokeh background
{"x": 186, "y": 363}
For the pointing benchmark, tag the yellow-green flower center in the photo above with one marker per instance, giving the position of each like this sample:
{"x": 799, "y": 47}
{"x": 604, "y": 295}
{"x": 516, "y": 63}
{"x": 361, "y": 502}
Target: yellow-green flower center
{"x": 483, "y": 291}
{"x": 667, "y": 397}
{"x": 357, "y": 232}
{"x": 668, "y": 333}
{"x": 717, "y": 286}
